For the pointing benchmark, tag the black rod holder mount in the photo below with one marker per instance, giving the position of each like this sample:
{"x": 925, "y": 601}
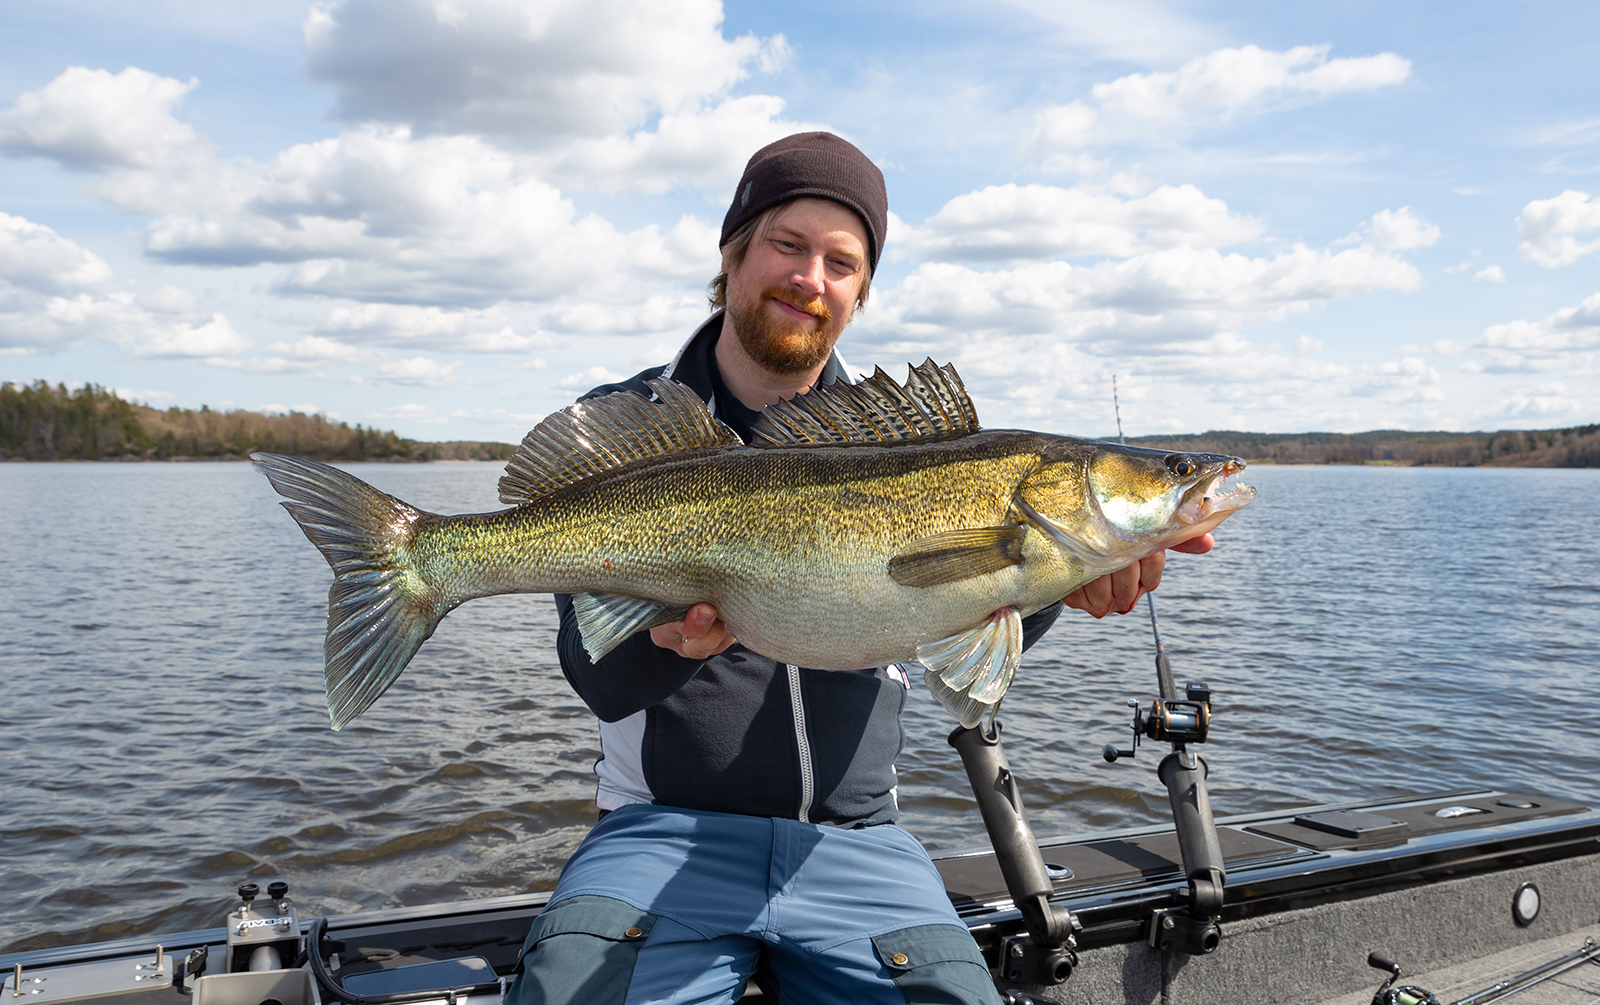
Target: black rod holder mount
{"x": 1046, "y": 957}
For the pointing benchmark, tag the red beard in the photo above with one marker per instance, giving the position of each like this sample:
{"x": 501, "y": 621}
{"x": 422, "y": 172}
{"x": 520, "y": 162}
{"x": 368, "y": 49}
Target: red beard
{"x": 780, "y": 345}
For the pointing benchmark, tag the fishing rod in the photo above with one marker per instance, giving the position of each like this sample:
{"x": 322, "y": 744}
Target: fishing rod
{"x": 1192, "y": 928}
{"x": 1164, "y": 681}
{"x": 1409, "y": 994}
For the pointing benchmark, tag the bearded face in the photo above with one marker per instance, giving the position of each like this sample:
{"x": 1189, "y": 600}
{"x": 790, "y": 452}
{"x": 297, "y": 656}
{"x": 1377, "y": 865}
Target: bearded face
{"x": 778, "y": 343}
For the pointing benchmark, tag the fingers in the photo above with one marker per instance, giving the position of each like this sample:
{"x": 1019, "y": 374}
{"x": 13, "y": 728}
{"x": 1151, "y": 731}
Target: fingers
{"x": 1118, "y": 591}
{"x": 700, "y": 635}
{"x": 1093, "y": 597}
{"x": 1195, "y": 545}
{"x": 1150, "y": 570}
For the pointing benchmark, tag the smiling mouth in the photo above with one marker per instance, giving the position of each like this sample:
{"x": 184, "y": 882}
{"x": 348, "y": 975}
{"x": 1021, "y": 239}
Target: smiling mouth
{"x": 814, "y": 309}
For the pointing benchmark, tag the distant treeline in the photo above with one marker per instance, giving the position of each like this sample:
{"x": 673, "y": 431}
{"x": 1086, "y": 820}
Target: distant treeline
{"x": 43, "y": 423}
{"x": 1576, "y": 447}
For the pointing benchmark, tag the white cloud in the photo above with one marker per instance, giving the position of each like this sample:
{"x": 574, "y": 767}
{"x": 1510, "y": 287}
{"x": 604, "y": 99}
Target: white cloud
{"x": 1490, "y": 274}
{"x": 1148, "y": 305}
{"x": 215, "y": 337}
{"x": 419, "y": 371}
{"x": 121, "y": 127}
{"x": 1157, "y": 106}
{"x": 315, "y": 351}
{"x": 55, "y": 294}
{"x": 35, "y": 259}
{"x": 1543, "y": 404}
{"x": 1229, "y": 79}
{"x": 705, "y": 149}
{"x": 592, "y": 377}
{"x": 409, "y": 412}
{"x": 1012, "y": 223}
{"x": 1138, "y": 30}
{"x": 1400, "y": 230}
{"x": 554, "y": 76}
{"x": 376, "y": 214}
{"x": 1064, "y": 126}
{"x": 1566, "y": 341}
{"x": 1407, "y": 379}
{"x": 93, "y": 119}
{"x": 1550, "y": 228}
{"x": 408, "y": 325}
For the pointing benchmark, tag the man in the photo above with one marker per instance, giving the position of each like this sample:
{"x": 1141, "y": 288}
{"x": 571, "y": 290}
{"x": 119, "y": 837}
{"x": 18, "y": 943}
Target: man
{"x": 747, "y": 806}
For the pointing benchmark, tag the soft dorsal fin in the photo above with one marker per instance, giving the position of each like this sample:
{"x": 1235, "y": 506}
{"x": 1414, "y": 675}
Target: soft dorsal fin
{"x": 602, "y": 434}
{"x": 931, "y": 404}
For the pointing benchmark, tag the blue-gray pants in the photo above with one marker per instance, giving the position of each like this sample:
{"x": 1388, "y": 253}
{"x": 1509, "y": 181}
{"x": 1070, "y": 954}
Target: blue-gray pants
{"x": 669, "y": 905}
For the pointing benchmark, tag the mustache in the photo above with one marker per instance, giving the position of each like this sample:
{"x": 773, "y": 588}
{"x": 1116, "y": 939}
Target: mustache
{"x": 814, "y": 307}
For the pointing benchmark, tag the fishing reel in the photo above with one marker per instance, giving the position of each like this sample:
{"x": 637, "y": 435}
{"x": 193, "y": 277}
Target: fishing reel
{"x": 1405, "y": 994}
{"x": 1193, "y": 925}
{"x": 1178, "y": 721}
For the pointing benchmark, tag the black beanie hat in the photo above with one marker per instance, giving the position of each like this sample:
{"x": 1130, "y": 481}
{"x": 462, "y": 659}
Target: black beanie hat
{"x": 820, "y": 165}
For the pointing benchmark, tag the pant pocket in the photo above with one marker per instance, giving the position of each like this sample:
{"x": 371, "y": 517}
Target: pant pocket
{"x": 580, "y": 950}
{"x": 937, "y": 965}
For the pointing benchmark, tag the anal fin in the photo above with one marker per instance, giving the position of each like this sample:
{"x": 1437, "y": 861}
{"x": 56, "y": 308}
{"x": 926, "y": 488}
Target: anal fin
{"x": 955, "y": 555}
{"x": 969, "y": 672}
{"x": 606, "y": 619}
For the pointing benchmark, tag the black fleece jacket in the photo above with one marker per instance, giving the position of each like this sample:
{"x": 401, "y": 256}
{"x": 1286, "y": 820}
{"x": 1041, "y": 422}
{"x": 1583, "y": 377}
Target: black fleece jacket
{"x": 740, "y": 733}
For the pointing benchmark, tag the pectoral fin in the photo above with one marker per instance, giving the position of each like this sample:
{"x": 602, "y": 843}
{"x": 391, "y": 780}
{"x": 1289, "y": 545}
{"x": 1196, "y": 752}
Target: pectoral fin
{"x": 605, "y": 619}
{"x": 957, "y": 554}
{"x": 969, "y": 672}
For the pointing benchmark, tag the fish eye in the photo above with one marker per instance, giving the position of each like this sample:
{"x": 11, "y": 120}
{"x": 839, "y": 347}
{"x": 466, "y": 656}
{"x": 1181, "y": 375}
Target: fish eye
{"x": 1180, "y": 465}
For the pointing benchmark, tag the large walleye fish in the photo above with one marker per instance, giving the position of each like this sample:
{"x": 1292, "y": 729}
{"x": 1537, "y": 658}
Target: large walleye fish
{"x": 868, "y": 524}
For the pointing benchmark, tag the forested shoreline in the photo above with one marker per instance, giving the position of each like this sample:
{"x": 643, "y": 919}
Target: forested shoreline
{"x": 1573, "y": 447}
{"x": 39, "y": 422}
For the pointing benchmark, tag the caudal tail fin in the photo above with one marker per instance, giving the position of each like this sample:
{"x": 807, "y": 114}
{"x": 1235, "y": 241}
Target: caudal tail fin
{"x": 380, "y": 610}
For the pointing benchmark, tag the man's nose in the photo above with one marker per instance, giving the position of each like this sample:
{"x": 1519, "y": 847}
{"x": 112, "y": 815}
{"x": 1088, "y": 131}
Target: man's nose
{"x": 810, "y": 277}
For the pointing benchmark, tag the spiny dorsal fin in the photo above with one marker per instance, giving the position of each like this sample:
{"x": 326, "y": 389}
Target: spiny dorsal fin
{"x": 602, "y": 434}
{"x": 931, "y": 404}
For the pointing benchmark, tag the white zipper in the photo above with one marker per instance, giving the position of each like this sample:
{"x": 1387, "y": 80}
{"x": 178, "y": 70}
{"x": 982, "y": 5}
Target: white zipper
{"x": 807, "y": 784}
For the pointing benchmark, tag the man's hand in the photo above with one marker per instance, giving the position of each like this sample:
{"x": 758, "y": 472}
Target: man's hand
{"x": 1120, "y": 591}
{"x": 700, "y": 635}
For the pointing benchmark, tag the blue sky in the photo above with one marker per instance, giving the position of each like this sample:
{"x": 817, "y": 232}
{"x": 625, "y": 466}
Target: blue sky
{"x": 449, "y": 218}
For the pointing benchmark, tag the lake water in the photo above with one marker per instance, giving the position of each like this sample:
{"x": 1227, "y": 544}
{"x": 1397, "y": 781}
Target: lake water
{"x": 1367, "y": 631}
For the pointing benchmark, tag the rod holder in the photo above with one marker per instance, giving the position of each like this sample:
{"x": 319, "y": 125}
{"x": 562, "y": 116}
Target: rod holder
{"x": 1015, "y": 848}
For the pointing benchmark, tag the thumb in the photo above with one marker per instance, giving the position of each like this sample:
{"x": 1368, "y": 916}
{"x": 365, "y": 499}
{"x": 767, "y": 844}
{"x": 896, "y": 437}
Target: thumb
{"x": 699, "y": 620}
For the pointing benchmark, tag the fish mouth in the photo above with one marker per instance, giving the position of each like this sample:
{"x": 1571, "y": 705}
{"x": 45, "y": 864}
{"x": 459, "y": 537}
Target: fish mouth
{"x": 1211, "y": 499}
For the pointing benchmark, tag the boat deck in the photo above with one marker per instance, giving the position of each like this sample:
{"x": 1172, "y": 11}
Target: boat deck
{"x": 1428, "y": 881}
